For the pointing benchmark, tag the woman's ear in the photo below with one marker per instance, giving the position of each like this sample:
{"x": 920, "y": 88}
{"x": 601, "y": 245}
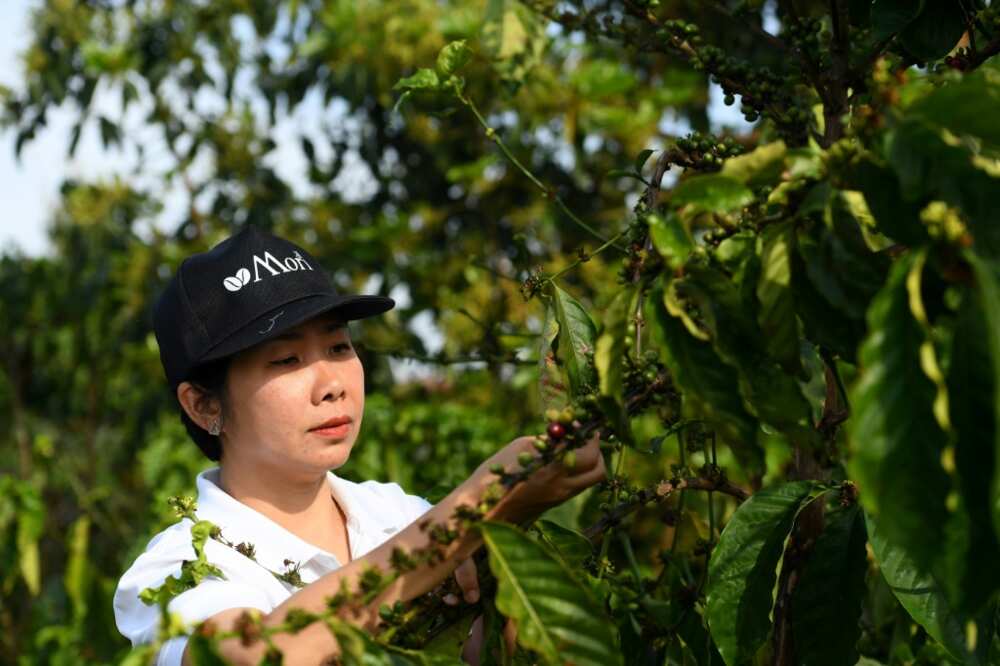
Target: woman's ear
{"x": 200, "y": 407}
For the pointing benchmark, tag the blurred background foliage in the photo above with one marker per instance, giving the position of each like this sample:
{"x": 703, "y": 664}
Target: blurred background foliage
{"x": 416, "y": 207}
{"x": 281, "y": 114}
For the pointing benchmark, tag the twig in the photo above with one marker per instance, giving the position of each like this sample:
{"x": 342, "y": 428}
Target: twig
{"x": 659, "y": 493}
{"x": 549, "y": 193}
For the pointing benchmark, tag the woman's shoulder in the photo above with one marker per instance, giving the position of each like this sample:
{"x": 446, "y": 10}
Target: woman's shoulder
{"x": 385, "y": 498}
{"x": 230, "y": 581}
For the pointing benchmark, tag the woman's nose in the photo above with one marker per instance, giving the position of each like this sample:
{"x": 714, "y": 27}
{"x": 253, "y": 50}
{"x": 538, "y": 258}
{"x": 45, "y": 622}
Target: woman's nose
{"x": 329, "y": 384}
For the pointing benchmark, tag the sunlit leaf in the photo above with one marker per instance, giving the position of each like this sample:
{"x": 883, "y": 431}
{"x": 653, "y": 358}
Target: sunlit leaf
{"x": 556, "y": 615}
{"x": 774, "y": 291}
{"x": 670, "y": 238}
{"x": 577, "y": 335}
{"x": 712, "y": 193}
{"x": 453, "y": 58}
{"x": 742, "y": 570}
{"x": 896, "y": 441}
{"x": 918, "y": 592}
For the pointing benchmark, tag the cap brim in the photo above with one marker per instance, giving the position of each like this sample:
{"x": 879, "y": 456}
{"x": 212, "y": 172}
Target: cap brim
{"x": 292, "y": 314}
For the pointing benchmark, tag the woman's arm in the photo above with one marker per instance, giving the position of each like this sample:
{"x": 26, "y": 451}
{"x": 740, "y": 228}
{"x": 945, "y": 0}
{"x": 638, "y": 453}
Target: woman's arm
{"x": 547, "y": 487}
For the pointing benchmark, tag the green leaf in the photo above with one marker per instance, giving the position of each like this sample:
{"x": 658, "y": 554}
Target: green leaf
{"x": 359, "y": 649}
{"x": 839, "y": 263}
{"x": 30, "y": 525}
{"x": 931, "y": 168}
{"x": 450, "y": 641}
{"x": 621, "y": 173}
{"x": 572, "y": 546}
{"x": 141, "y": 655}
{"x": 935, "y": 31}
{"x": 203, "y": 651}
{"x": 514, "y": 37}
{"x": 859, "y": 12}
{"x": 576, "y": 340}
{"x": 422, "y": 79}
{"x": 970, "y": 549}
{"x": 822, "y": 323}
{"x": 692, "y": 631}
{"x": 761, "y": 166}
{"x": 918, "y": 592}
{"x": 600, "y": 79}
{"x": 894, "y": 216}
{"x": 551, "y": 383}
{"x": 709, "y": 386}
{"x": 988, "y": 288}
{"x": 743, "y": 566}
{"x": 711, "y": 193}
{"x": 77, "y": 567}
{"x": 896, "y": 441}
{"x": 555, "y": 614}
{"x": 608, "y": 357}
{"x": 965, "y": 107}
{"x": 453, "y": 57}
{"x": 640, "y": 159}
{"x": 889, "y": 17}
{"x": 830, "y": 591}
{"x": 712, "y": 308}
{"x": 777, "y": 312}
{"x": 670, "y": 238}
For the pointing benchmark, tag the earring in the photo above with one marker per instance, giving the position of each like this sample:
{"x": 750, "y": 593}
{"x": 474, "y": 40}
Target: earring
{"x": 216, "y": 427}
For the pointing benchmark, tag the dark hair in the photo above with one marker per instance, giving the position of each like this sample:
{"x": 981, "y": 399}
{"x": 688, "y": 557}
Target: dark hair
{"x": 210, "y": 378}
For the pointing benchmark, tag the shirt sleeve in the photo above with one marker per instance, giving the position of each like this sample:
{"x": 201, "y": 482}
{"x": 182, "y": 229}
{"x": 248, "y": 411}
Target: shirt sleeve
{"x": 404, "y": 508}
{"x": 414, "y": 506}
{"x": 140, "y": 622}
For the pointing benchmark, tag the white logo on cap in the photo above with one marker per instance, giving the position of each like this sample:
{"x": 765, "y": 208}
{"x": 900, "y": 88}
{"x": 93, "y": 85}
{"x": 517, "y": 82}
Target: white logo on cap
{"x": 236, "y": 282}
{"x": 272, "y": 264}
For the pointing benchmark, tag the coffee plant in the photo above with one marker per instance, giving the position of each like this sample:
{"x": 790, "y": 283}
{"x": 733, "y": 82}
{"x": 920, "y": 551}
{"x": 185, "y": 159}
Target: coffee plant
{"x": 788, "y": 340}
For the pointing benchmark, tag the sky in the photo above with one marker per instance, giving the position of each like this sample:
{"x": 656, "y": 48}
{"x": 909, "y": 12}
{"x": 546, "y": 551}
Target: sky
{"x": 28, "y": 190}
{"x": 29, "y": 186}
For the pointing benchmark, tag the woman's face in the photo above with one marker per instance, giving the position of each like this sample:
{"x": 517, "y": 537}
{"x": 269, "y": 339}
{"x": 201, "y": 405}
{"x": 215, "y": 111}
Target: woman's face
{"x": 282, "y": 392}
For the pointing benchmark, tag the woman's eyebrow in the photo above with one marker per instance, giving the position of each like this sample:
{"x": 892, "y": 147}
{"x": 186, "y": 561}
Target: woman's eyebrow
{"x": 331, "y": 327}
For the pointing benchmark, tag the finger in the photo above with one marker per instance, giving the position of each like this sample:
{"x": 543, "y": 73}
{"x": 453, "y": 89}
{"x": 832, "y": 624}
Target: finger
{"x": 450, "y": 599}
{"x": 510, "y": 635}
{"x": 474, "y": 643}
{"x": 588, "y": 456}
{"x": 596, "y": 475}
{"x": 468, "y": 580}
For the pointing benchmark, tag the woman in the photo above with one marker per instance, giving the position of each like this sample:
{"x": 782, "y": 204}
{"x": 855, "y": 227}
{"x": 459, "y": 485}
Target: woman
{"x": 254, "y": 342}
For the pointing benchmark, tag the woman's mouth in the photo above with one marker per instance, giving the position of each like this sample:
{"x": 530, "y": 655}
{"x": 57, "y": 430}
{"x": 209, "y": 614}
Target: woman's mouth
{"x": 334, "y": 428}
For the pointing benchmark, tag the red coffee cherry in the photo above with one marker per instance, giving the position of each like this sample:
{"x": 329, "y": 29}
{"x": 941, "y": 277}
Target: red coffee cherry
{"x": 556, "y": 431}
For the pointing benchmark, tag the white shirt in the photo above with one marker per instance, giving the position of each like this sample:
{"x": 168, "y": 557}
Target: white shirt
{"x": 375, "y": 511}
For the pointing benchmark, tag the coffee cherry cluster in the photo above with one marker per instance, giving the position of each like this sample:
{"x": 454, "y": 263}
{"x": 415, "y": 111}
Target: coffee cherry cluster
{"x": 677, "y": 29}
{"x": 706, "y": 152}
{"x": 637, "y": 263}
{"x": 804, "y": 33}
{"x": 763, "y": 91}
{"x": 647, "y": 377}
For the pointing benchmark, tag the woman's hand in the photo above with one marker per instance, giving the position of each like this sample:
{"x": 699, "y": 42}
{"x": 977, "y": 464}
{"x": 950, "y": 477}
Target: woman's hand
{"x": 468, "y": 581}
{"x": 546, "y": 487}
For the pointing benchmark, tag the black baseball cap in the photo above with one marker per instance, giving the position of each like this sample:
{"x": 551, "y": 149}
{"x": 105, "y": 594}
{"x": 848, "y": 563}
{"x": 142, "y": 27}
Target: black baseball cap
{"x": 247, "y": 289}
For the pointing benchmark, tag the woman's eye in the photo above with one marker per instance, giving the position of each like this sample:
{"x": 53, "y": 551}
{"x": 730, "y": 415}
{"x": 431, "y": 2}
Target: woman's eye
{"x": 343, "y": 347}
{"x": 285, "y": 361}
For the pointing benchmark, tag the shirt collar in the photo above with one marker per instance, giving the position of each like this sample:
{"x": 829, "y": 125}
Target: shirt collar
{"x": 273, "y": 544}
